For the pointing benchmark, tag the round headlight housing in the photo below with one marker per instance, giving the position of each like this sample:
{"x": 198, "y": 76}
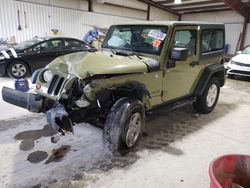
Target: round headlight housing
{"x": 47, "y": 76}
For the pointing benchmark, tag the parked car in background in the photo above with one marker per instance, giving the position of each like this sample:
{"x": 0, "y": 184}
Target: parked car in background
{"x": 36, "y": 53}
{"x": 239, "y": 64}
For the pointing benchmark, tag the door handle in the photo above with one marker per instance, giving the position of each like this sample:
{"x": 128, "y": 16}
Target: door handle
{"x": 194, "y": 63}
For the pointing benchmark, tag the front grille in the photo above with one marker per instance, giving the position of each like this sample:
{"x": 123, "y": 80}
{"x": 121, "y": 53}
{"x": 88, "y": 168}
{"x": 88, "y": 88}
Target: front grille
{"x": 55, "y": 85}
{"x": 239, "y": 72}
{"x": 242, "y": 64}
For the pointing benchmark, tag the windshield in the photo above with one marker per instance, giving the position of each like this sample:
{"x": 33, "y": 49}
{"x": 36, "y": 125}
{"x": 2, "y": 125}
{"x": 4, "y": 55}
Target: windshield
{"x": 137, "y": 38}
{"x": 28, "y": 43}
{"x": 246, "y": 50}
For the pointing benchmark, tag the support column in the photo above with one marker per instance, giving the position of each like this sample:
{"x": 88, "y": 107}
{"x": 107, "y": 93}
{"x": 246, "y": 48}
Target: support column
{"x": 179, "y": 17}
{"x": 244, "y": 31}
{"x": 90, "y": 8}
{"x": 148, "y": 12}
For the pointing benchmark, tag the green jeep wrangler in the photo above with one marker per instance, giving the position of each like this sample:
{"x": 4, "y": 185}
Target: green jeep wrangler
{"x": 142, "y": 67}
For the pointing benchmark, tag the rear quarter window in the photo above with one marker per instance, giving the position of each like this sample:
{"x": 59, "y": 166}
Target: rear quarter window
{"x": 212, "y": 40}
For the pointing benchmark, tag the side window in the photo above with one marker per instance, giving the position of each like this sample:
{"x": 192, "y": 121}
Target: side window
{"x": 212, "y": 40}
{"x": 49, "y": 45}
{"x": 186, "y": 39}
{"x": 73, "y": 44}
{"x": 57, "y": 44}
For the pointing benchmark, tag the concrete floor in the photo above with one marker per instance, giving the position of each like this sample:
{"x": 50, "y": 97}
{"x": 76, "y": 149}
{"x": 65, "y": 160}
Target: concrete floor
{"x": 175, "y": 150}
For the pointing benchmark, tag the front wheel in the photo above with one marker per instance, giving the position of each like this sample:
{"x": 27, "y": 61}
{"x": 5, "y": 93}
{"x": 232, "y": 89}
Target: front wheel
{"x": 208, "y": 100}
{"x": 17, "y": 69}
{"x": 123, "y": 127}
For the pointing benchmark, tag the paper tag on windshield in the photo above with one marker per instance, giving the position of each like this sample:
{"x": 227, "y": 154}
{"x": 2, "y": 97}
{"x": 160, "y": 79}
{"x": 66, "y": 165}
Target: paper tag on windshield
{"x": 156, "y": 43}
{"x": 157, "y": 35}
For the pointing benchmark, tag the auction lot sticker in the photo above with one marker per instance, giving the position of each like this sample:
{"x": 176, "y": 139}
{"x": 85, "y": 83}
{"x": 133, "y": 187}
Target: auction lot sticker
{"x": 157, "y": 35}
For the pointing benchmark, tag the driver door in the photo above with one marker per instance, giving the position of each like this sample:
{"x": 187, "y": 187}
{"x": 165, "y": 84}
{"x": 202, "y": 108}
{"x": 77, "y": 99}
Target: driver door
{"x": 180, "y": 80}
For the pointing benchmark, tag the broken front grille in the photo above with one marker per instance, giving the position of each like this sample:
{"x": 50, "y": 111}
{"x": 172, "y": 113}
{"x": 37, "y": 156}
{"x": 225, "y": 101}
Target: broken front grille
{"x": 55, "y": 85}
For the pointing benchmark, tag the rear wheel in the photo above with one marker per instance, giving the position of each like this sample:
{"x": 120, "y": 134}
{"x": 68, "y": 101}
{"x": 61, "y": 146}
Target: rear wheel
{"x": 17, "y": 69}
{"x": 208, "y": 100}
{"x": 123, "y": 127}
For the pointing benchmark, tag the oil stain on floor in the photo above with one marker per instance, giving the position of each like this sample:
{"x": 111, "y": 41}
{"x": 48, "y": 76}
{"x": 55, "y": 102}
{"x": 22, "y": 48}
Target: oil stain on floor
{"x": 58, "y": 154}
{"x": 37, "y": 156}
{"x": 28, "y": 137}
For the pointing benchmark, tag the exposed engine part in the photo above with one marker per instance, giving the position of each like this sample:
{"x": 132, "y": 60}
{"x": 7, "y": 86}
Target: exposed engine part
{"x": 98, "y": 103}
{"x": 82, "y": 103}
{"x": 88, "y": 92}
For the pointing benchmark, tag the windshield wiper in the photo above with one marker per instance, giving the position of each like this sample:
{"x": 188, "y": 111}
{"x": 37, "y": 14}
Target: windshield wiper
{"x": 137, "y": 55}
{"x": 112, "y": 49}
{"x": 126, "y": 52}
{"x": 134, "y": 52}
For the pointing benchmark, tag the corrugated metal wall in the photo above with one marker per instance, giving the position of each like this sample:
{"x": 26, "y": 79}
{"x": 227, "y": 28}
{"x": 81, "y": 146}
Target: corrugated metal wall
{"x": 233, "y": 31}
{"x": 42, "y": 18}
{"x": 233, "y": 24}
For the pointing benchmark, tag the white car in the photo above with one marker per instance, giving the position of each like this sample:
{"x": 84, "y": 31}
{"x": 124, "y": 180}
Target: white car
{"x": 239, "y": 64}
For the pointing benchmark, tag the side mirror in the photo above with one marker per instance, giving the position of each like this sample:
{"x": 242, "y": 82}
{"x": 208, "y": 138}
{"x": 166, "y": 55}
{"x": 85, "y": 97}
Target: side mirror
{"x": 238, "y": 52}
{"x": 179, "y": 54}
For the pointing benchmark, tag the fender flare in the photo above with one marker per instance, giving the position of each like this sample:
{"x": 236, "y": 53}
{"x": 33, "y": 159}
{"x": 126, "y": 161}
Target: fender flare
{"x": 136, "y": 90}
{"x": 35, "y": 75}
{"x": 217, "y": 70}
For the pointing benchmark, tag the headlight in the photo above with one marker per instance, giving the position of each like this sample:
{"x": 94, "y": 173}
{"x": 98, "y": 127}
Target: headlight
{"x": 47, "y": 76}
{"x": 2, "y": 57}
{"x": 232, "y": 62}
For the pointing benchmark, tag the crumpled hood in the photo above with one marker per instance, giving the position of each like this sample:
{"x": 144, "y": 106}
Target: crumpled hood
{"x": 84, "y": 64}
{"x": 242, "y": 58}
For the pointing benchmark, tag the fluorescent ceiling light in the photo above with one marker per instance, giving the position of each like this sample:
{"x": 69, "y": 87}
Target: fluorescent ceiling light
{"x": 177, "y": 1}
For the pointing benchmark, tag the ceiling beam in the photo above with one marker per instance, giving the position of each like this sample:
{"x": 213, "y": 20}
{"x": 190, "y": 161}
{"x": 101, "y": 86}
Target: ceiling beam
{"x": 169, "y": 1}
{"x": 122, "y": 6}
{"x": 239, "y": 7}
{"x": 194, "y": 4}
{"x": 202, "y": 11}
{"x": 159, "y": 6}
{"x": 201, "y": 8}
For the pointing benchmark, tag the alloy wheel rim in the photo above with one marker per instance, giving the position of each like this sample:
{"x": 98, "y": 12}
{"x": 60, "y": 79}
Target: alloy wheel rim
{"x": 18, "y": 70}
{"x": 134, "y": 129}
{"x": 212, "y": 94}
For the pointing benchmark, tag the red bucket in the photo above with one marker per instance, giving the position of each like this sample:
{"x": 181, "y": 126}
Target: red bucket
{"x": 230, "y": 171}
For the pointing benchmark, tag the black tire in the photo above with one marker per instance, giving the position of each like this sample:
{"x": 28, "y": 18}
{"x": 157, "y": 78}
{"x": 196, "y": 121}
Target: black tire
{"x": 20, "y": 66}
{"x": 115, "y": 134}
{"x": 202, "y": 105}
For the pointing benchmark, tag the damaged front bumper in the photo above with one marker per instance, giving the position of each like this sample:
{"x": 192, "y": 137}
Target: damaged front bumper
{"x": 56, "y": 114}
{"x": 29, "y": 101}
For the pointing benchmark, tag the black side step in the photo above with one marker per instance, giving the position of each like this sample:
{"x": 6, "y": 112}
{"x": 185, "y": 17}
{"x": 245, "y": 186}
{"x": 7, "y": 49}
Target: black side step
{"x": 169, "y": 106}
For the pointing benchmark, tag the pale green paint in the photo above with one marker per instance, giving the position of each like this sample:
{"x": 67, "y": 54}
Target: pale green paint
{"x": 163, "y": 85}
{"x": 84, "y": 64}
{"x": 178, "y": 81}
